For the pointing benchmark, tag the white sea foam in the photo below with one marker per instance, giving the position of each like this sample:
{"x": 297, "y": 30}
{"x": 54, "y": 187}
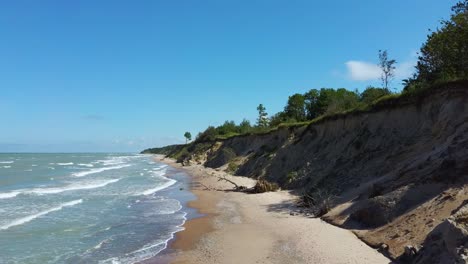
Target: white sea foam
{"x": 7, "y": 162}
{"x": 6, "y": 167}
{"x": 86, "y": 165}
{"x": 159, "y": 173}
{"x": 54, "y": 190}
{"x": 98, "y": 170}
{"x": 98, "y": 246}
{"x": 72, "y": 187}
{"x": 160, "y": 167}
{"x": 29, "y": 218}
{"x": 165, "y": 185}
{"x": 9, "y": 194}
{"x": 65, "y": 163}
{"x": 147, "y": 251}
{"x": 167, "y": 212}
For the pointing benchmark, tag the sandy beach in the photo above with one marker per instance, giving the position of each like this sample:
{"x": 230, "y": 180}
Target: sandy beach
{"x": 257, "y": 228}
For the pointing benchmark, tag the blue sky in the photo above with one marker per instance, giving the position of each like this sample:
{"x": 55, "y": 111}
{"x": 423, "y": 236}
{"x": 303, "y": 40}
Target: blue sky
{"x": 126, "y": 75}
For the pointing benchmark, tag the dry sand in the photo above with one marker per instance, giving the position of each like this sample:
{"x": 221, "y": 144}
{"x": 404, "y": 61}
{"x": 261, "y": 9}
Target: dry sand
{"x": 258, "y": 228}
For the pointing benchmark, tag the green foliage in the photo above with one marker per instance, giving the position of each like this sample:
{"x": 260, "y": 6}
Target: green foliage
{"x": 387, "y": 66}
{"x": 443, "y": 59}
{"x": 262, "y": 120}
{"x": 370, "y": 94}
{"x": 444, "y": 56}
{"x": 292, "y": 176}
{"x": 163, "y": 150}
{"x": 244, "y": 126}
{"x": 311, "y": 103}
{"x": 280, "y": 118}
{"x": 335, "y": 101}
{"x": 208, "y": 135}
{"x": 188, "y": 137}
{"x": 181, "y": 155}
{"x": 295, "y": 108}
{"x": 232, "y": 167}
{"x": 227, "y": 128}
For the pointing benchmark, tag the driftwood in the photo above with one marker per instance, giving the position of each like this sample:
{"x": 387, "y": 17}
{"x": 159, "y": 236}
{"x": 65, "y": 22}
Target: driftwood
{"x": 236, "y": 186}
{"x": 206, "y": 187}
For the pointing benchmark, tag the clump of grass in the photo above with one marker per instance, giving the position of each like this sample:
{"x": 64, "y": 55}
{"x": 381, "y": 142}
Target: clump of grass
{"x": 292, "y": 176}
{"x": 263, "y": 185}
{"x": 321, "y": 201}
{"x": 232, "y": 167}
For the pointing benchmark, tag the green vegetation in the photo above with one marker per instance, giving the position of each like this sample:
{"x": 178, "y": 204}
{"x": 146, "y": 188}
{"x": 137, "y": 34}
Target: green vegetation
{"x": 164, "y": 150}
{"x": 262, "y": 120}
{"x": 292, "y": 176}
{"x": 188, "y": 137}
{"x": 443, "y": 59}
{"x": 444, "y": 56}
{"x": 232, "y": 167}
{"x": 263, "y": 185}
{"x": 387, "y": 66}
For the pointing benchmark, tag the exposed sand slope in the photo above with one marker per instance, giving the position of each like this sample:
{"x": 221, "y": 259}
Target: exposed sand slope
{"x": 392, "y": 174}
{"x": 258, "y": 228}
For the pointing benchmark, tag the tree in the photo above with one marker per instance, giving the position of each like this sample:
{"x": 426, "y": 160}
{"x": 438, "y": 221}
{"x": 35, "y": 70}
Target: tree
{"x": 227, "y": 128}
{"x": 388, "y": 68}
{"x": 444, "y": 55}
{"x": 208, "y": 135}
{"x": 262, "y": 120}
{"x": 244, "y": 126}
{"x": 340, "y": 100}
{"x": 311, "y": 99}
{"x": 371, "y": 94}
{"x": 295, "y": 108}
{"x": 188, "y": 137}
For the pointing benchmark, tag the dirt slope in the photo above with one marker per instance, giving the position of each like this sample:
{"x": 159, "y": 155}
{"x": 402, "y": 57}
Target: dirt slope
{"x": 392, "y": 175}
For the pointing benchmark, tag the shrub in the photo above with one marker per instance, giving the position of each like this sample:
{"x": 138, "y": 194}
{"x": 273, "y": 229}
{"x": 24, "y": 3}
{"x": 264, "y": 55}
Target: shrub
{"x": 320, "y": 200}
{"x": 263, "y": 185}
{"x": 232, "y": 167}
{"x": 292, "y": 176}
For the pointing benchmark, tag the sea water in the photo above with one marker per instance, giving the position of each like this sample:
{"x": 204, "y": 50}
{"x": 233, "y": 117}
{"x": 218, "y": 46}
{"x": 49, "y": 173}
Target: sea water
{"x": 88, "y": 208}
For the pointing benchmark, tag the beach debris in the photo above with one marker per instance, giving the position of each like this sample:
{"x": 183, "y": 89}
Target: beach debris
{"x": 236, "y": 186}
{"x": 410, "y": 253}
{"x": 383, "y": 248}
{"x": 265, "y": 186}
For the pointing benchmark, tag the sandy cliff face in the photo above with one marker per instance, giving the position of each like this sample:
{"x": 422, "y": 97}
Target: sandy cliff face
{"x": 394, "y": 175}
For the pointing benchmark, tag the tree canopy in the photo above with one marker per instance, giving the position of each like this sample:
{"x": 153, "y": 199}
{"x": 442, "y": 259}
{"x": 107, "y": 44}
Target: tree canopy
{"x": 444, "y": 55}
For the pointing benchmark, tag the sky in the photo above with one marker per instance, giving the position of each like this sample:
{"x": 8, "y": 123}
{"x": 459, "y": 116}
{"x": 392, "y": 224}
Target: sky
{"x": 121, "y": 76}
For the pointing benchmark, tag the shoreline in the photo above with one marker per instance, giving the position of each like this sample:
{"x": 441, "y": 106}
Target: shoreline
{"x": 255, "y": 228}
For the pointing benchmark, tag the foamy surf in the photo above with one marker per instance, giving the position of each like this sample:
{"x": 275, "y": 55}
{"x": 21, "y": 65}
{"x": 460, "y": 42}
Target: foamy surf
{"x": 165, "y": 185}
{"x": 86, "y": 165}
{"x": 54, "y": 190}
{"x": 147, "y": 251}
{"x": 98, "y": 170}
{"x": 159, "y": 173}
{"x": 7, "y": 162}
{"x": 29, "y": 218}
{"x": 9, "y": 194}
{"x": 128, "y": 212}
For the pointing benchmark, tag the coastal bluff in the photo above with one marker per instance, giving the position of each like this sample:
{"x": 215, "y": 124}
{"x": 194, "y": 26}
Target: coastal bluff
{"x": 396, "y": 175}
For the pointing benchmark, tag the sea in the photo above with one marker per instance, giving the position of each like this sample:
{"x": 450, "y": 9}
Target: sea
{"x": 88, "y": 207}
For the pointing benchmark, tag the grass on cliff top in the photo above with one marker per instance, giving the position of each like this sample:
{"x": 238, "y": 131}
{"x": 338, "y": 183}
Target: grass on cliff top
{"x": 385, "y": 102}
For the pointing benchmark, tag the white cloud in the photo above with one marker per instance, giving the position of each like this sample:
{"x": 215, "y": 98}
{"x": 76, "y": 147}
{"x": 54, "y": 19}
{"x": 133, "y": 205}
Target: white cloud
{"x": 363, "y": 71}
{"x": 367, "y": 71}
{"x": 405, "y": 69}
